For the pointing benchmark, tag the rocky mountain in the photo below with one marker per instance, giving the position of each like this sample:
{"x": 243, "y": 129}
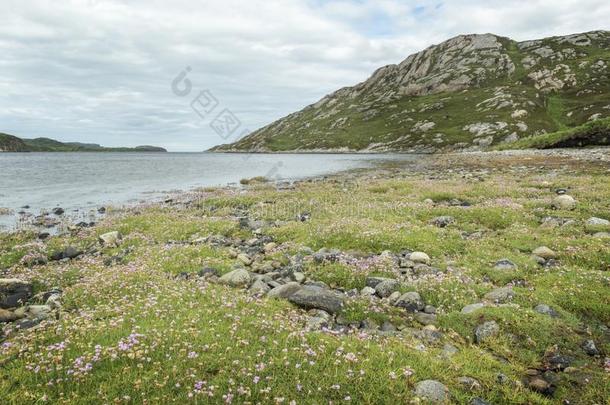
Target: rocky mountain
{"x": 469, "y": 92}
{"x": 11, "y": 143}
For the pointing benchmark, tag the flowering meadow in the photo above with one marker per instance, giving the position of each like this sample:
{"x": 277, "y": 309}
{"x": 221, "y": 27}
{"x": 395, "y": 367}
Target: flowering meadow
{"x": 139, "y": 325}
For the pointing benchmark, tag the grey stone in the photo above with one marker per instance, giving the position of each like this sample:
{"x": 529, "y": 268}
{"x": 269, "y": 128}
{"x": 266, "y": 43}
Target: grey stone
{"x": 419, "y": 257}
{"x": 367, "y": 291}
{"x": 486, "y": 330}
{"x": 469, "y": 383}
{"x": 259, "y": 287}
{"x": 594, "y": 221}
{"x": 425, "y": 319}
{"x": 319, "y": 298}
{"x": 470, "y": 308}
{"x": 236, "y": 278}
{"x": 546, "y": 310}
{"x": 500, "y": 295}
{"x": 505, "y": 265}
{"x": 244, "y": 258}
{"x": 373, "y": 281}
{"x": 110, "y": 239}
{"x": 544, "y": 252}
{"x": 564, "y": 202}
{"x": 432, "y": 390}
{"x": 284, "y": 291}
{"x": 388, "y": 326}
{"x": 411, "y": 301}
{"x": 589, "y": 347}
{"x": 386, "y": 287}
{"x": 429, "y": 309}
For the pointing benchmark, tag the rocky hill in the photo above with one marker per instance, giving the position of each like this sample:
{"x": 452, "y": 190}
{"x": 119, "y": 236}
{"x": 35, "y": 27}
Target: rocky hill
{"x": 11, "y": 143}
{"x": 469, "y": 92}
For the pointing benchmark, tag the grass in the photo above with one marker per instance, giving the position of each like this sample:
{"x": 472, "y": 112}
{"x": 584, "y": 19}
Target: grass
{"x": 589, "y": 134}
{"x": 176, "y": 340}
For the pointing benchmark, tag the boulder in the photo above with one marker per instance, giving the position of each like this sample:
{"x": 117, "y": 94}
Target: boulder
{"x": 69, "y": 252}
{"x": 317, "y": 298}
{"x": 410, "y": 301}
{"x": 486, "y": 330}
{"x": 564, "y": 202}
{"x": 236, "y": 278}
{"x": 432, "y": 390}
{"x": 14, "y": 292}
{"x": 110, "y": 239}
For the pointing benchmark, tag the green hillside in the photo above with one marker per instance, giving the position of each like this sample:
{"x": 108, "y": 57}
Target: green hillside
{"x": 470, "y": 92}
{"x": 11, "y": 143}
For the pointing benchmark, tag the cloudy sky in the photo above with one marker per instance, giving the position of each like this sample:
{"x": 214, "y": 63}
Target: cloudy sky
{"x": 102, "y": 71}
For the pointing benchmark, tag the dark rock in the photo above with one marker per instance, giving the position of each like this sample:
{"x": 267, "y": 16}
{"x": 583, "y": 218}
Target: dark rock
{"x": 68, "y": 253}
{"x": 304, "y": 216}
{"x": 317, "y": 298}
{"x": 14, "y": 292}
{"x": 43, "y": 235}
{"x": 58, "y": 211}
{"x": 589, "y": 347}
{"x": 101, "y": 210}
{"x": 559, "y": 362}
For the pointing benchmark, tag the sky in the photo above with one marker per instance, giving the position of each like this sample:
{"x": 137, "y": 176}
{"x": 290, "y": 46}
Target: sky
{"x": 190, "y": 74}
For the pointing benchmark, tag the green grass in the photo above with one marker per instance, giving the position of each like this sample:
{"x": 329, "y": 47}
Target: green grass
{"x": 589, "y": 134}
{"x": 258, "y": 350}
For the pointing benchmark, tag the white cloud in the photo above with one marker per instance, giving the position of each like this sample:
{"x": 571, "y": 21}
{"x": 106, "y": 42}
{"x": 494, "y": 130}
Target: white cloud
{"x": 100, "y": 71}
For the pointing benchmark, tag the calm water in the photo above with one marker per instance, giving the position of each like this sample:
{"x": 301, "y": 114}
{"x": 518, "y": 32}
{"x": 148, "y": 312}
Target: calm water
{"x": 85, "y": 181}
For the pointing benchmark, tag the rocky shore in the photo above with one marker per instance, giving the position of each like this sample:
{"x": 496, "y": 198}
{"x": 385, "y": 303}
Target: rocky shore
{"x": 476, "y": 278}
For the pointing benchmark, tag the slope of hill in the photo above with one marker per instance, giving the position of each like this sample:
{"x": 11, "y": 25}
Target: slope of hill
{"x": 11, "y": 143}
{"x": 469, "y": 92}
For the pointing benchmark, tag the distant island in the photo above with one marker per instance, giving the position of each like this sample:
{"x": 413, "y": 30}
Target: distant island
{"x": 11, "y": 143}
